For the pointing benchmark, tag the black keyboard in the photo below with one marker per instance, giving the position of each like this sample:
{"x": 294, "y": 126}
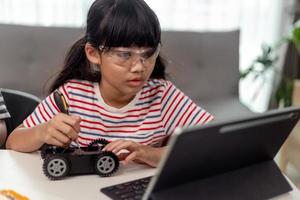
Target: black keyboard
{"x": 132, "y": 190}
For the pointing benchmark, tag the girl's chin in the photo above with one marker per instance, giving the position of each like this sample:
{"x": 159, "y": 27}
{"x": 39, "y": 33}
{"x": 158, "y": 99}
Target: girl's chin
{"x": 132, "y": 90}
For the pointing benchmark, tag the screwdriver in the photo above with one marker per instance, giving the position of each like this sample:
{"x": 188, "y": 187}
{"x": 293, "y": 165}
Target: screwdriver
{"x": 62, "y": 105}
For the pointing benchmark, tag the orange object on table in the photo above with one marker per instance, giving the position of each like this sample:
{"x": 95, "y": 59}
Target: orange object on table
{"x": 11, "y": 195}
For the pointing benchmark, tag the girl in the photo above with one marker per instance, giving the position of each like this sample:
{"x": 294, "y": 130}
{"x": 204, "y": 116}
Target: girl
{"x": 114, "y": 82}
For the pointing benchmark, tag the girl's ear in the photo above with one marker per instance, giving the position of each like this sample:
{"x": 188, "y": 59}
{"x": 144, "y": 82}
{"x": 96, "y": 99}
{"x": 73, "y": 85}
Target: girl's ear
{"x": 92, "y": 54}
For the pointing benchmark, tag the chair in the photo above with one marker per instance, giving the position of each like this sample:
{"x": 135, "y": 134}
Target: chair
{"x": 205, "y": 66}
{"x": 19, "y": 105}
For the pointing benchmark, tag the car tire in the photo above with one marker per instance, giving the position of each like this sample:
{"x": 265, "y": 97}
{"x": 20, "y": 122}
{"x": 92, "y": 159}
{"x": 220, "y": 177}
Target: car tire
{"x": 106, "y": 164}
{"x": 56, "y": 167}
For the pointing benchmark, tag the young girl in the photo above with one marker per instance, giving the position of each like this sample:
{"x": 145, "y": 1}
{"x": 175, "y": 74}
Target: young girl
{"x": 114, "y": 82}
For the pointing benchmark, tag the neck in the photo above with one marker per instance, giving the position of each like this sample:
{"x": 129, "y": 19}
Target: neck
{"x": 114, "y": 98}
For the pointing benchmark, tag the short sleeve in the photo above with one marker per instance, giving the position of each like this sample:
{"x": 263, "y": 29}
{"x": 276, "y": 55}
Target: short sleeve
{"x": 178, "y": 110}
{"x": 46, "y": 110}
{"x": 3, "y": 110}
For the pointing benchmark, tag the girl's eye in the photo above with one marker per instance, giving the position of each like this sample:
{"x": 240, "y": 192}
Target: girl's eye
{"x": 123, "y": 54}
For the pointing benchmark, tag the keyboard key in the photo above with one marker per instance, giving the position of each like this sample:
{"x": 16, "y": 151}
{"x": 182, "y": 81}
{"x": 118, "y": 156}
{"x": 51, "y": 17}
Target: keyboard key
{"x": 132, "y": 190}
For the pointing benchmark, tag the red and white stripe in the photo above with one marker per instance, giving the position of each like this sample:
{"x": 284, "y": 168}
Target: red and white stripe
{"x": 147, "y": 123}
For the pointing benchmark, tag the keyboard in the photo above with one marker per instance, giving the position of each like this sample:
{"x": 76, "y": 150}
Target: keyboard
{"x": 132, "y": 190}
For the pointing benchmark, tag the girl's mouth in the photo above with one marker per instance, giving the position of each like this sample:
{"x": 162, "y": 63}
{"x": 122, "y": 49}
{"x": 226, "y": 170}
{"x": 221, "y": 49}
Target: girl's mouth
{"x": 135, "y": 82}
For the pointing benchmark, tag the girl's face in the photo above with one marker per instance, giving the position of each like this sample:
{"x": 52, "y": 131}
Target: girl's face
{"x": 124, "y": 70}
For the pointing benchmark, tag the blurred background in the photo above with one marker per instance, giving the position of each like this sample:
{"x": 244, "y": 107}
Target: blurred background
{"x": 259, "y": 22}
{"x": 269, "y": 22}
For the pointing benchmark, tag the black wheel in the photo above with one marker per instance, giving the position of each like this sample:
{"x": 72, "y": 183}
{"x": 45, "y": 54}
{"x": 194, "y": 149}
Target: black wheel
{"x": 44, "y": 150}
{"x": 56, "y": 167}
{"x": 106, "y": 164}
{"x": 98, "y": 144}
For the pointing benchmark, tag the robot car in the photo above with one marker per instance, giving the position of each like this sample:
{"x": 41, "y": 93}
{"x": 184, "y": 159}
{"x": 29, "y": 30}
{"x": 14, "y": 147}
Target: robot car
{"x": 60, "y": 162}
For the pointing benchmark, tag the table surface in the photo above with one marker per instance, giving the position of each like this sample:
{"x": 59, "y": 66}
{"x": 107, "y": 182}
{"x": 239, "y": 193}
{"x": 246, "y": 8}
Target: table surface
{"x": 23, "y": 173}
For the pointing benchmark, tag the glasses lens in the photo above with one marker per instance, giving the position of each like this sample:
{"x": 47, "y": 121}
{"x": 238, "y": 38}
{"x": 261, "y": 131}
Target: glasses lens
{"x": 128, "y": 57}
{"x": 151, "y": 56}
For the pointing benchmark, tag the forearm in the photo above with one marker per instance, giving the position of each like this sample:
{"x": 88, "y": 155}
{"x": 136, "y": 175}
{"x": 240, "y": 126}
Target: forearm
{"x": 25, "y": 139}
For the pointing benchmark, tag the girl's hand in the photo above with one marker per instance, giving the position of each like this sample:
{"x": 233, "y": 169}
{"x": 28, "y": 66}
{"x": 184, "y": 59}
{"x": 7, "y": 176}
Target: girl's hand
{"x": 60, "y": 130}
{"x": 137, "y": 152}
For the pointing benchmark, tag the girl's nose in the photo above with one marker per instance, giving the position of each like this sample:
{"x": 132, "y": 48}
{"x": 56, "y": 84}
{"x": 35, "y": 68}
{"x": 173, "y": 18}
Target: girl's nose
{"x": 137, "y": 65}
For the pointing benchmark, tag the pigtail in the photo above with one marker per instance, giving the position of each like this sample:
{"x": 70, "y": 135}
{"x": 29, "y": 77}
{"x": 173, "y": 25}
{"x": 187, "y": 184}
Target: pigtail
{"x": 76, "y": 66}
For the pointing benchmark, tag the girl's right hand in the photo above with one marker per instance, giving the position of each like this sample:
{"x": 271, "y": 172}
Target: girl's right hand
{"x": 60, "y": 130}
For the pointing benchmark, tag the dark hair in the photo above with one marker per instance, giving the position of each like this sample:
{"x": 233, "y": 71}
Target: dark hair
{"x": 113, "y": 23}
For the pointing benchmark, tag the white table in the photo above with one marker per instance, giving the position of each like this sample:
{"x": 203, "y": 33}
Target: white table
{"x": 22, "y": 172}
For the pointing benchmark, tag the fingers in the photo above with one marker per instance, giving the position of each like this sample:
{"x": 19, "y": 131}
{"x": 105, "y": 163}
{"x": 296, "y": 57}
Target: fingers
{"x": 134, "y": 156}
{"x": 61, "y": 137}
{"x": 73, "y": 121}
{"x": 122, "y": 156}
{"x": 61, "y": 130}
{"x": 118, "y": 145}
{"x": 77, "y": 123}
{"x": 67, "y": 130}
{"x": 57, "y": 138}
{"x": 128, "y": 145}
{"x": 69, "y": 125}
{"x": 112, "y": 145}
{"x": 131, "y": 157}
{"x": 135, "y": 150}
{"x": 56, "y": 142}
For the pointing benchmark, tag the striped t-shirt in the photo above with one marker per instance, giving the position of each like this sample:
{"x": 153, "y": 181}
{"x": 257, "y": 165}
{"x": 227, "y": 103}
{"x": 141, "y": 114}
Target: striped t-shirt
{"x": 152, "y": 115}
{"x": 3, "y": 110}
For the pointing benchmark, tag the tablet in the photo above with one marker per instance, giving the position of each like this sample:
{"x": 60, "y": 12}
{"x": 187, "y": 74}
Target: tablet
{"x": 226, "y": 160}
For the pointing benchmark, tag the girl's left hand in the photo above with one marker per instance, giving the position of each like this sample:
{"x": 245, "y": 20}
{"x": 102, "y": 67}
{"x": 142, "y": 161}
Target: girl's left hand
{"x": 136, "y": 152}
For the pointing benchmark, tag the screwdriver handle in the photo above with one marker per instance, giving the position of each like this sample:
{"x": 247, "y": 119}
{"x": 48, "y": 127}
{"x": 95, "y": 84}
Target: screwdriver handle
{"x": 61, "y": 102}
